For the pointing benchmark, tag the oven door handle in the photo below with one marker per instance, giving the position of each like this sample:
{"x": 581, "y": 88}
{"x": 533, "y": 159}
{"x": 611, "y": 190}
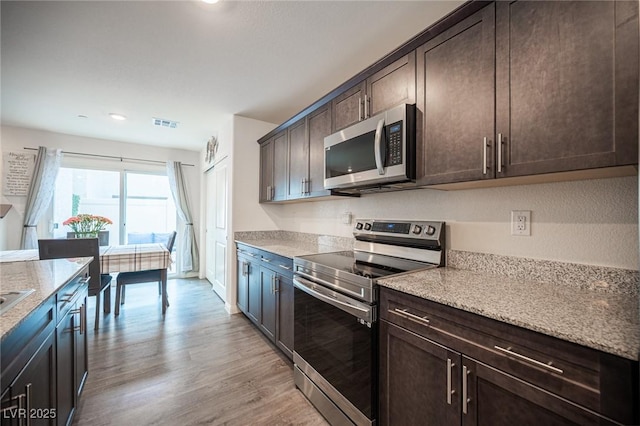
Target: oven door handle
{"x": 366, "y": 314}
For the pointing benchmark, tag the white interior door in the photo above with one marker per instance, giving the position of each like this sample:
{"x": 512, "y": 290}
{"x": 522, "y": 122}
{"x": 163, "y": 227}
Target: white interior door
{"x": 216, "y": 249}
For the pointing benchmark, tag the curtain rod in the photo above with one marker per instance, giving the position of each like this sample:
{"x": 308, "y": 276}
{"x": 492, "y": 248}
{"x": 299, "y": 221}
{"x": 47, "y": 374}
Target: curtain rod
{"x": 111, "y": 157}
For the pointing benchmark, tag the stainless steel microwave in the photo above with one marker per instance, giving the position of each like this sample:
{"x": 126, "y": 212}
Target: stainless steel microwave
{"x": 379, "y": 150}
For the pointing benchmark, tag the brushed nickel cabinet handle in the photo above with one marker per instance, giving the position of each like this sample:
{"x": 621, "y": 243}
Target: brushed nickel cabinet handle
{"x": 484, "y": 155}
{"x": 547, "y": 366}
{"x": 450, "y": 391}
{"x": 284, "y": 267}
{"x": 276, "y": 284}
{"x": 366, "y": 106}
{"x": 28, "y": 393}
{"x": 499, "y": 147}
{"x": 465, "y": 389}
{"x": 408, "y": 315}
{"x": 359, "y": 109}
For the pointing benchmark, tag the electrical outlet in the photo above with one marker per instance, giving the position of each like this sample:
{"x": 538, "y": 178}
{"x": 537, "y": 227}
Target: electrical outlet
{"x": 346, "y": 218}
{"x": 521, "y": 222}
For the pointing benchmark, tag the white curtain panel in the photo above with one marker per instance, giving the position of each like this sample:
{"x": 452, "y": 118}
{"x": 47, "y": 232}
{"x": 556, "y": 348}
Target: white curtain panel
{"x": 189, "y": 257}
{"x": 40, "y": 193}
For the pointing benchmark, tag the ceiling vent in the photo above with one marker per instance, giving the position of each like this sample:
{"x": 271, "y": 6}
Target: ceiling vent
{"x": 162, "y": 122}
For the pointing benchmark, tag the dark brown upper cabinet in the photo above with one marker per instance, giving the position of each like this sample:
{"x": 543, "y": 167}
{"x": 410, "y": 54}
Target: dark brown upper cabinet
{"x": 298, "y": 159}
{"x": 393, "y": 85}
{"x": 456, "y": 88}
{"x": 319, "y": 128}
{"x": 564, "y": 76}
{"x": 274, "y": 167}
{"x": 292, "y": 162}
{"x": 566, "y": 85}
{"x": 306, "y": 154}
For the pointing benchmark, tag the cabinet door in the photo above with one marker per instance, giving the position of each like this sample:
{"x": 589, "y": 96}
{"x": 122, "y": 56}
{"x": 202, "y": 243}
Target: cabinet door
{"x": 319, "y": 128}
{"x": 456, "y": 97}
{"x": 392, "y": 86}
{"x": 298, "y": 159}
{"x": 254, "y": 310}
{"x": 81, "y": 357}
{"x": 498, "y": 399}
{"x": 567, "y": 85}
{"x": 348, "y": 108}
{"x": 65, "y": 367}
{"x": 242, "y": 285}
{"x": 284, "y": 335}
{"x": 419, "y": 380}
{"x": 266, "y": 171}
{"x": 269, "y": 303}
{"x": 37, "y": 384}
{"x": 280, "y": 166}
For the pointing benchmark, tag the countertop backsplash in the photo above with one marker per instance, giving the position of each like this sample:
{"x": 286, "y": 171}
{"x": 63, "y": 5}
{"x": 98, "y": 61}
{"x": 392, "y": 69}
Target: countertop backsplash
{"x": 589, "y": 277}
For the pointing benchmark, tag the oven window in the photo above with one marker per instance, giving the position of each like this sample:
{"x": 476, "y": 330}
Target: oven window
{"x": 351, "y": 156}
{"x": 339, "y": 348}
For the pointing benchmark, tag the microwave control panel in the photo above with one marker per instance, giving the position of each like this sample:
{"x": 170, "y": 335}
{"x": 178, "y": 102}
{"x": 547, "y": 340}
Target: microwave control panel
{"x": 394, "y": 144}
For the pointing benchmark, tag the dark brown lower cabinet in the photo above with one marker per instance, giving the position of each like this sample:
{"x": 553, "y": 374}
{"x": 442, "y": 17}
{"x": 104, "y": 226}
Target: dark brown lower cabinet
{"x": 265, "y": 294}
{"x": 443, "y": 366}
{"x": 414, "y": 380}
{"x": 495, "y": 398}
{"x": 284, "y": 327}
{"x": 71, "y": 361}
{"x": 269, "y": 302}
{"x": 31, "y": 399}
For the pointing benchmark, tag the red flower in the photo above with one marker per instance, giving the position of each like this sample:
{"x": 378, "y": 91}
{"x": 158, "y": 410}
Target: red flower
{"x": 87, "y": 223}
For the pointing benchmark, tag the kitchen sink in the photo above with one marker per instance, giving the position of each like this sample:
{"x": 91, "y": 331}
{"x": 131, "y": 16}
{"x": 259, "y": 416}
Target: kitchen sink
{"x": 9, "y": 299}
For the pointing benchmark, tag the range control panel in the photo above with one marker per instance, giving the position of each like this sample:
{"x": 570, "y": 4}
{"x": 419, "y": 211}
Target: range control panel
{"x": 424, "y": 230}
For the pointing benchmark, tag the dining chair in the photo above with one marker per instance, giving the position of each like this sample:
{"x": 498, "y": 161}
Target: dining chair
{"x": 81, "y": 247}
{"x": 139, "y": 277}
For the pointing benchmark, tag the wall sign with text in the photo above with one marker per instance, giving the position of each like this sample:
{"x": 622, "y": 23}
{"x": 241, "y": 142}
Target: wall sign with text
{"x": 17, "y": 170}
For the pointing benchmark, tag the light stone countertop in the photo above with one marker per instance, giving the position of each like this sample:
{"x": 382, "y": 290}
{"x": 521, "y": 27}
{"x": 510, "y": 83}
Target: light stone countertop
{"x": 289, "y": 248}
{"x": 601, "y": 320}
{"x": 44, "y": 276}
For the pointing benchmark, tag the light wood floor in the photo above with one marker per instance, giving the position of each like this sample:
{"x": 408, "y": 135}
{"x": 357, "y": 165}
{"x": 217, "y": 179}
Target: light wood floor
{"x": 197, "y": 366}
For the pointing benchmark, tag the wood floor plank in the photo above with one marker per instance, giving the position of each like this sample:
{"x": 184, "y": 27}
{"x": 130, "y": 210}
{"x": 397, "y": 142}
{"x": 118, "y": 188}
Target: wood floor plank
{"x": 196, "y": 366}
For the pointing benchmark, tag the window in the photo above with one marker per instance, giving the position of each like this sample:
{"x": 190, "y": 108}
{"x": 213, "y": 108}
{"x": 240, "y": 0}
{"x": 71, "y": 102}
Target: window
{"x": 140, "y": 205}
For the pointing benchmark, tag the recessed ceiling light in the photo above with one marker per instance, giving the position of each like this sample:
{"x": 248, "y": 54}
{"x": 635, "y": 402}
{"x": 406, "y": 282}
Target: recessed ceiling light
{"x": 117, "y": 116}
{"x": 211, "y": 1}
{"x": 82, "y": 116}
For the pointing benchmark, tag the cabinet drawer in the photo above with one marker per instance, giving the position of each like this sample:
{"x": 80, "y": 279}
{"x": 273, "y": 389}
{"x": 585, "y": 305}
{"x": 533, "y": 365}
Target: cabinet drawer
{"x": 596, "y": 380}
{"x": 66, "y": 296}
{"x": 247, "y": 251}
{"x": 280, "y": 264}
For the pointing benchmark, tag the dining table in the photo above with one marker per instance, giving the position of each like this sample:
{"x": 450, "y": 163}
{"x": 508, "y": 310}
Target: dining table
{"x": 118, "y": 258}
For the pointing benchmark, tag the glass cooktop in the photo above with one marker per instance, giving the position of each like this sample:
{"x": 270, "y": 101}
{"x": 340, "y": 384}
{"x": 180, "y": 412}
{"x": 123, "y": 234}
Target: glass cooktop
{"x": 347, "y": 262}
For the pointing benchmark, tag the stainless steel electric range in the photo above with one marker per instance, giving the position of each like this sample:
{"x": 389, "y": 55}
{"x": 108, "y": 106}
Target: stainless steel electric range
{"x": 335, "y": 313}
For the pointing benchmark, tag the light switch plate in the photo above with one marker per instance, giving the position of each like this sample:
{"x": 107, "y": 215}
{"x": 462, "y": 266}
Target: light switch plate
{"x": 521, "y": 222}
{"x": 346, "y": 218}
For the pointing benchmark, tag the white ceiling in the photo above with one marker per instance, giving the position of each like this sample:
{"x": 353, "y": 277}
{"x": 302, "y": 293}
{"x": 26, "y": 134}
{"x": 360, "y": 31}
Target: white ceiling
{"x": 187, "y": 61}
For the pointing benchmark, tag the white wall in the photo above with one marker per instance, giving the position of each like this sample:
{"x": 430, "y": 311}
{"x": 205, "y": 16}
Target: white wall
{"x": 589, "y": 222}
{"x": 14, "y": 139}
{"x": 248, "y": 214}
{"x": 238, "y": 137}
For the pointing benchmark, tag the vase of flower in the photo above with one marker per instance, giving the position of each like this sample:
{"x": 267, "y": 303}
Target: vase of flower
{"x": 89, "y": 226}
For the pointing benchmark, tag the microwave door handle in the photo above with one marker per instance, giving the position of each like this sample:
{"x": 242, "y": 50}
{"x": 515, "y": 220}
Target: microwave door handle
{"x": 379, "y": 147}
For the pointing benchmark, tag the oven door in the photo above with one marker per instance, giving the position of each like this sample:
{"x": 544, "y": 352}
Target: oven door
{"x": 370, "y": 152}
{"x": 335, "y": 341}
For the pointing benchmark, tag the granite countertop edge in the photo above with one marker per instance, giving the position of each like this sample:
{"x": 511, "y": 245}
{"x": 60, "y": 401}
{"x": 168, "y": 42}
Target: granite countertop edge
{"x": 627, "y": 347}
{"x": 15, "y": 316}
